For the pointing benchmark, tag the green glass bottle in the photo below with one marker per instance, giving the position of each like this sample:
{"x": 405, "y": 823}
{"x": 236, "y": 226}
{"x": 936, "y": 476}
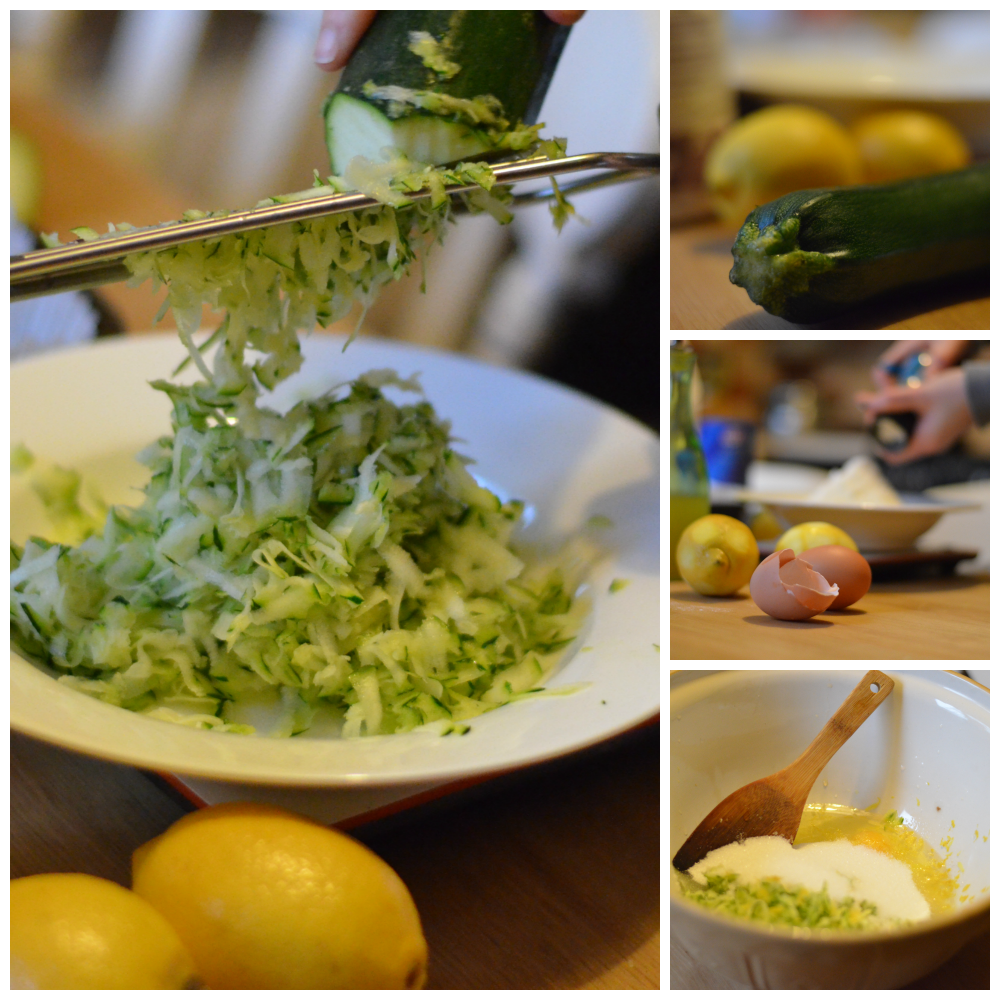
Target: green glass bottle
{"x": 688, "y": 472}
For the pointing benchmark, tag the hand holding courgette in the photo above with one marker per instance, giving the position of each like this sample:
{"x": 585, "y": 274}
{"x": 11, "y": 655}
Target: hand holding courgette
{"x": 812, "y": 254}
{"x": 443, "y": 85}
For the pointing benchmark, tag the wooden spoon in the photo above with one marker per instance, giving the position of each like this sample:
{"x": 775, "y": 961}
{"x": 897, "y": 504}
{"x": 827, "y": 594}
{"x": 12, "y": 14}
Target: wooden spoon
{"x": 774, "y": 805}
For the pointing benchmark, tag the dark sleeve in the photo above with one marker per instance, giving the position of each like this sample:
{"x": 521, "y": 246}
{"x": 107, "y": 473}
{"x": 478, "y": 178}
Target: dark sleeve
{"x": 977, "y": 390}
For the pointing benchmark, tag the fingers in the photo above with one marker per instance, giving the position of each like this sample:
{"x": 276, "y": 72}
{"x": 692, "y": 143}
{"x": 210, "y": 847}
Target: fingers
{"x": 945, "y": 353}
{"x": 893, "y": 399}
{"x": 864, "y": 401}
{"x": 340, "y": 31}
{"x": 943, "y": 408}
{"x": 927, "y": 439}
{"x": 902, "y": 349}
{"x": 882, "y": 378}
{"x": 564, "y": 17}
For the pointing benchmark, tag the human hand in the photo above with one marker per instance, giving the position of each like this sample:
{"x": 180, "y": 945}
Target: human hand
{"x": 943, "y": 354}
{"x": 341, "y": 30}
{"x": 942, "y": 410}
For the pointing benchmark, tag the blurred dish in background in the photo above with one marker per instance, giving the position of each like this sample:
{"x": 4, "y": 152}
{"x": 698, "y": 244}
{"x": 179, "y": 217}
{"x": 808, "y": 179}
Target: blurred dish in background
{"x": 944, "y": 55}
{"x": 851, "y": 63}
{"x": 874, "y": 528}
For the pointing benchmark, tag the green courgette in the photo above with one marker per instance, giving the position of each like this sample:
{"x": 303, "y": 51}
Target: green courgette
{"x": 442, "y": 85}
{"x": 812, "y": 254}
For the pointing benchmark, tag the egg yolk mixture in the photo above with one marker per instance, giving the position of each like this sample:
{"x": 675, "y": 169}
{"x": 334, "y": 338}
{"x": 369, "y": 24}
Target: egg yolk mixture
{"x": 848, "y": 871}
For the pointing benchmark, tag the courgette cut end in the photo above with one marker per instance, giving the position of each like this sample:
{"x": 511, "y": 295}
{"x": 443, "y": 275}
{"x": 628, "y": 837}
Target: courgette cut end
{"x": 772, "y": 267}
{"x": 355, "y": 127}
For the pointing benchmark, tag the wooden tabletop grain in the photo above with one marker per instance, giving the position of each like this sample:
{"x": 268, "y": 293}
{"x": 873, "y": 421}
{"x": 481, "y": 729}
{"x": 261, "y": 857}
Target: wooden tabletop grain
{"x": 703, "y": 298}
{"x": 946, "y": 619}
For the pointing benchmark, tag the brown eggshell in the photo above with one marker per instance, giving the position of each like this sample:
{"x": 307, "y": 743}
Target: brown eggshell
{"x": 844, "y": 567}
{"x": 785, "y": 587}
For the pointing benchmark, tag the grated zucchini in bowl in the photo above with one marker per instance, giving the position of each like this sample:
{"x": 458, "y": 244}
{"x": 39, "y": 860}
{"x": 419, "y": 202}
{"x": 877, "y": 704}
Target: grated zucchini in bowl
{"x": 337, "y": 560}
{"x": 770, "y": 901}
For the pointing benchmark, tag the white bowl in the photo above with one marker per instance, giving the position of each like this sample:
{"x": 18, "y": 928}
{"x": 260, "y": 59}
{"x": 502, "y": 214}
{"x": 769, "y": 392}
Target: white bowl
{"x": 568, "y": 456}
{"x": 924, "y": 752}
{"x": 873, "y": 527}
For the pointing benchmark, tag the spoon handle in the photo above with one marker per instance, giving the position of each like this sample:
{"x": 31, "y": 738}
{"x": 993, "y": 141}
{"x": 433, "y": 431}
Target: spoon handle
{"x": 873, "y": 689}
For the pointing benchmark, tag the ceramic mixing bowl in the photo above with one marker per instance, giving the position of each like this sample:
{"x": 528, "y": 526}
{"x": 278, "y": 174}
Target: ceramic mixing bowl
{"x": 925, "y": 752}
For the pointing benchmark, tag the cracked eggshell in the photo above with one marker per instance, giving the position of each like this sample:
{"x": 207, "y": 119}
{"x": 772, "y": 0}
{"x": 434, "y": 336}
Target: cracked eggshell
{"x": 788, "y": 588}
{"x": 844, "y": 567}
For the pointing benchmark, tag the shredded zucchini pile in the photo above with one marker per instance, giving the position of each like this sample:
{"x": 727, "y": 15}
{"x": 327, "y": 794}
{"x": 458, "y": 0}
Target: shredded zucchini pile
{"x": 771, "y": 902}
{"x": 337, "y": 561}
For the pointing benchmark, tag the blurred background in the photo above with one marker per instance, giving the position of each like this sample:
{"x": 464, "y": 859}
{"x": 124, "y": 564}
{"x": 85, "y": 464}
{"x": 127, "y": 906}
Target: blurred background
{"x": 139, "y": 115}
{"x": 799, "y": 396}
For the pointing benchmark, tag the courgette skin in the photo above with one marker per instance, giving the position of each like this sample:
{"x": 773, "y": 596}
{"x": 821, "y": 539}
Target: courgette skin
{"x": 813, "y": 254}
{"x": 507, "y": 54}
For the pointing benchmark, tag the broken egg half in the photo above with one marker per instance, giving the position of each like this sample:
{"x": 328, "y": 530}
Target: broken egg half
{"x": 848, "y": 569}
{"x": 787, "y": 587}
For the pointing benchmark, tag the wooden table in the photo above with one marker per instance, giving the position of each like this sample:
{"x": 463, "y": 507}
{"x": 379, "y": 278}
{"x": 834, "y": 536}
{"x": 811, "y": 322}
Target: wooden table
{"x": 546, "y": 880}
{"x": 703, "y": 298}
{"x": 85, "y": 184}
{"x": 946, "y": 619}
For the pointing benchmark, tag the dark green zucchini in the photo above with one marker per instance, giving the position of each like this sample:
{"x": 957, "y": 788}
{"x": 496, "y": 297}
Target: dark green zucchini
{"x": 812, "y": 254}
{"x": 509, "y": 55}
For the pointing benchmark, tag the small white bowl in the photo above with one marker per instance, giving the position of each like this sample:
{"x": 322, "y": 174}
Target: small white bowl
{"x": 925, "y": 753}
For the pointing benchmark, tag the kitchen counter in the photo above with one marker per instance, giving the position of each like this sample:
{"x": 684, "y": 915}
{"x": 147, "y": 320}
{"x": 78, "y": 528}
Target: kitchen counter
{"x": 947, "y": 619}
{"x": 703, "y": 298}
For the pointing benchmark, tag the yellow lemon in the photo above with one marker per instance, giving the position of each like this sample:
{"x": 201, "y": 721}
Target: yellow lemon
{"x": 25, "y": 177}
{"x": 765, "y": 526}
{"x": 266, "y": 899}
{"x": 79, "y": 932}
{"x": 783, "y": 148}
{"x": 811, "y": 535}
{"x": 899, "y": 144}
{"x": 717, "y": 555}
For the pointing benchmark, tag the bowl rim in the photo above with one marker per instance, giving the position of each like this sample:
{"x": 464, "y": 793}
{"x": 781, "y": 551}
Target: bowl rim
{"x": 910, "y": 503}
{"x": 954, "y": 673}
{"x": 913, "y": 503}
{"x": 827, "y": 935}
{"x": 816, "y": 935}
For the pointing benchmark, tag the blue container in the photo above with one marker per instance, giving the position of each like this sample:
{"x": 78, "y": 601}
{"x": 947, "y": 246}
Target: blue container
{"x": 728, "y": 446}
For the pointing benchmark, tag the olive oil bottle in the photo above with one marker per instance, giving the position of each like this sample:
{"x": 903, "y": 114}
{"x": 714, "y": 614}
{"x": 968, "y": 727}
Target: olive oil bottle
{"x": 688, "y": 472}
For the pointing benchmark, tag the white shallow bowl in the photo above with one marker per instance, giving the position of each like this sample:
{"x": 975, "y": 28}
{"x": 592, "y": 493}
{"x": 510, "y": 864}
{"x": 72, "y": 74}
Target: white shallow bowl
{"x": 568, "y": 456}
{"x": 925, "y": 752}
{"x": 873, "y": 527}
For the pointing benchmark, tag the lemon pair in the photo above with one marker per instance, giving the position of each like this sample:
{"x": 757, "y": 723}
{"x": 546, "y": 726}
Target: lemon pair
{"x": 792, "y": 147}
{"x": 236, "y": 896}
